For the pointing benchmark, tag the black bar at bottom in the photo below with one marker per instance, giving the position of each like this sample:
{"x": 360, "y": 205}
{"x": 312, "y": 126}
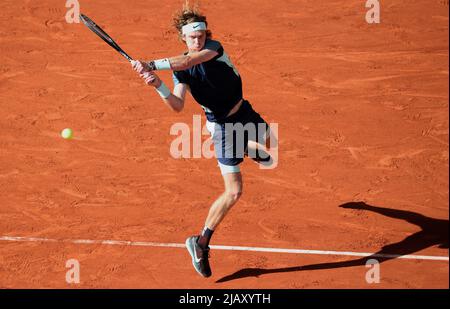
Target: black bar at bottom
{"x": 228, "y": 298}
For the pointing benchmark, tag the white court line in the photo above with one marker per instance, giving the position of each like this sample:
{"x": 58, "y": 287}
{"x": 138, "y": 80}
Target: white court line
{"x": 232, "y": 248}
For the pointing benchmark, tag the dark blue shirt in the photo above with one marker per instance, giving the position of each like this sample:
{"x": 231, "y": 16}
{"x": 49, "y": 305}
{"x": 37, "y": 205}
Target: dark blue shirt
{"x": 215, "y": 84}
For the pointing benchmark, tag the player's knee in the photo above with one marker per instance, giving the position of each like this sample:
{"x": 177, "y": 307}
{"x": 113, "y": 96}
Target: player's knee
{"x": 234, "y": 195}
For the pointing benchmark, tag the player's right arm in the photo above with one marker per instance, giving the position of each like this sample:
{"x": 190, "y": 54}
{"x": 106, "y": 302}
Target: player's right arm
{"x": 177, "y": 63}
{"x": 175, "y": 100}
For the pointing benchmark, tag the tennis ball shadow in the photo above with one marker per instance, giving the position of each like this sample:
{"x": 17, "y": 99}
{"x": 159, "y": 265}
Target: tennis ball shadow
{"x": 434, "y": 232}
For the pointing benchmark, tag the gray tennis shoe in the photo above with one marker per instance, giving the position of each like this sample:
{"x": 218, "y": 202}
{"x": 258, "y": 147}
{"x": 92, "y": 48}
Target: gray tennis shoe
{"x": 200, "y": 257}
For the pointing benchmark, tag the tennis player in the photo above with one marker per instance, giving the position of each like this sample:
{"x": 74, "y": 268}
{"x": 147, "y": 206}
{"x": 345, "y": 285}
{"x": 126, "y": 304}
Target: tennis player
{"x": 206, "y": 71}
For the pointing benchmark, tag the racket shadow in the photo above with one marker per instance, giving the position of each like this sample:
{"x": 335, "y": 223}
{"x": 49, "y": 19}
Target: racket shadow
{"x": 434, "y": 232}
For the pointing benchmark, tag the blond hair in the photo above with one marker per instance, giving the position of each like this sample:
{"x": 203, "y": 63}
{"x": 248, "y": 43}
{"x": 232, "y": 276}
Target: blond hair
{"x": 189, "y": 14}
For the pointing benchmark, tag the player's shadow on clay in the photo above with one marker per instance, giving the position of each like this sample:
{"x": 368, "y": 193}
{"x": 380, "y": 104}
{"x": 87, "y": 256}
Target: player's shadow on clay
{"x": 434, "y": 232}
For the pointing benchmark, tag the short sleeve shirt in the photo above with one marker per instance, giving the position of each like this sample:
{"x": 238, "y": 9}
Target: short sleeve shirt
{"x": 216, "y": 84}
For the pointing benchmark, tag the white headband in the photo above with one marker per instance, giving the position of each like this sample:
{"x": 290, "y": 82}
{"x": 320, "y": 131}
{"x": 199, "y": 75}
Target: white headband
{"x": 198, "y": 26}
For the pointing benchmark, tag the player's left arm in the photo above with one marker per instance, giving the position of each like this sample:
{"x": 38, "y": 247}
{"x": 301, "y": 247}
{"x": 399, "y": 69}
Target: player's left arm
{"x": 177, "y": 63}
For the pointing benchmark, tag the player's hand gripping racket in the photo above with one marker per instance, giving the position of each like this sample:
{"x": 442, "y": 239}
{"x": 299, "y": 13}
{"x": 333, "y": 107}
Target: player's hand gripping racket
{"x": 103, "y": 35}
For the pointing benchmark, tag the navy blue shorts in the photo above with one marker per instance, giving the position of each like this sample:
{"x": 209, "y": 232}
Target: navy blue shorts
{"x": 231, "y": 136}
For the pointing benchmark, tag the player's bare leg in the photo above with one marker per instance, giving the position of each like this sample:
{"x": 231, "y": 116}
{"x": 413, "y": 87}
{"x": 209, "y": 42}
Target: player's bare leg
{"x": 219, "y": 209}
{"x": 263, "y": 153}
{"x": 198, "y": 246}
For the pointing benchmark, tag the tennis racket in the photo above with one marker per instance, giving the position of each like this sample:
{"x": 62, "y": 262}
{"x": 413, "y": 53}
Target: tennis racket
{"x": 103, "y": 35}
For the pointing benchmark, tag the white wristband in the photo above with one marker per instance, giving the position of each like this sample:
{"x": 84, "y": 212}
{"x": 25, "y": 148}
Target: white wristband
{"x": 163, "y": 91}
{"x": 162, "y": 64}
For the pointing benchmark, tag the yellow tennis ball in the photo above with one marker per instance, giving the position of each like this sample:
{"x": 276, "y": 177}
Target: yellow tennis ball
{"x": 67, "y": 133}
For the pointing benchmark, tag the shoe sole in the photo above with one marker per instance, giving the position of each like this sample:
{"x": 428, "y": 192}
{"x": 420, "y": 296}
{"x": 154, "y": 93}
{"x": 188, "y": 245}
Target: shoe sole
{"x": 264, "y": 162}
{"x": 189, "y": 248}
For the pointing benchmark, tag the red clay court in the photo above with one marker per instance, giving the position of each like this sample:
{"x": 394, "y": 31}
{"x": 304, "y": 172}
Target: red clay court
{"x": 363, "y": 154}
